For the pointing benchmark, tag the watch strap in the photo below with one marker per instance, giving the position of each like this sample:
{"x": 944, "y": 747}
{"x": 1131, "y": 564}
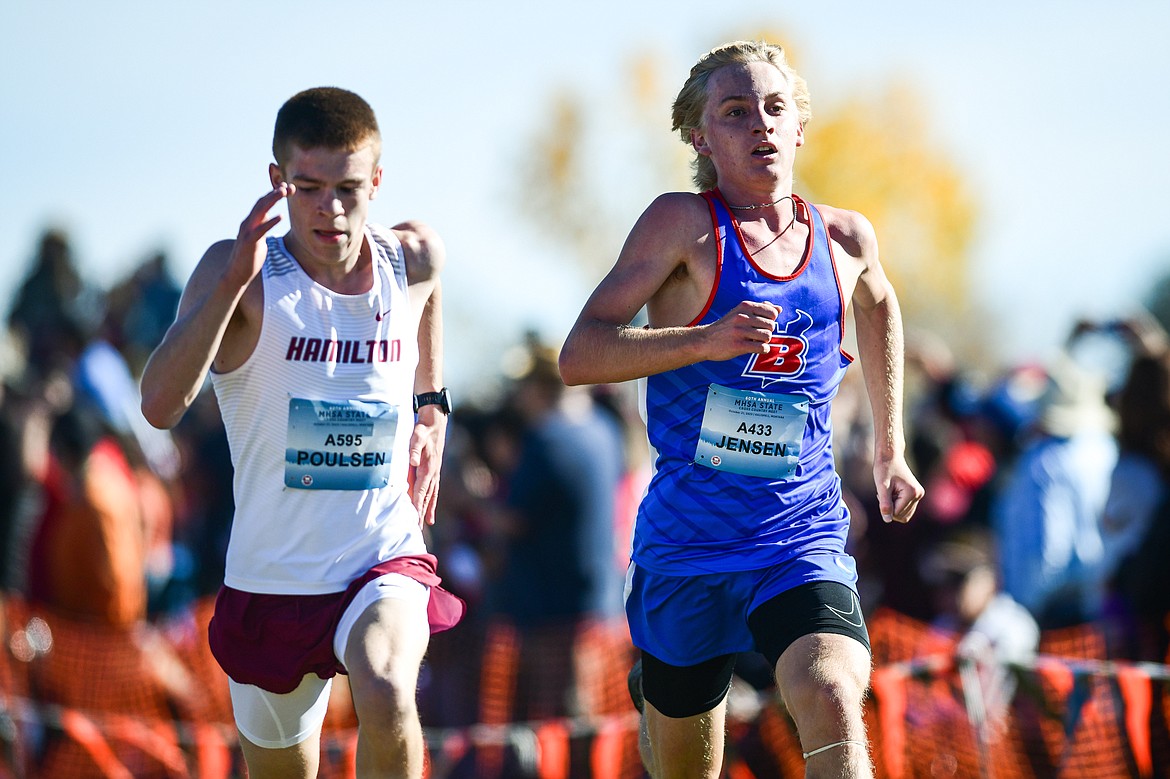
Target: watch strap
{"x": 442, "y": 399}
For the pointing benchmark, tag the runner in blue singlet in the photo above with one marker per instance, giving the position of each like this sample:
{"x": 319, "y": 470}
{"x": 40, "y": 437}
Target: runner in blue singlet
{"x": 740, "y": 539}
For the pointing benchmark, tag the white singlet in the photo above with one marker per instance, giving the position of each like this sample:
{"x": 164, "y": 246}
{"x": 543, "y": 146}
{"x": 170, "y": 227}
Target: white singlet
{"x": 319, "y": 420}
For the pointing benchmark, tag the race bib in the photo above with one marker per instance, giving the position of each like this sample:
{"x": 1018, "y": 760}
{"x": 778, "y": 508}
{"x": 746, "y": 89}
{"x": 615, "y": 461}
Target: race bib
{"x": 339, "y": 446}
{"x": 752, "y": 433}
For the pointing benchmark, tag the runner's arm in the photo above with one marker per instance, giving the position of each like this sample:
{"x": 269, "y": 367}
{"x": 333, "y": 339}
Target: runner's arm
{"x": 880, "y": 344}
{"x": 658, "y": 262}
{"x": 209, "y": 313}
{"x": 425, "y": 256}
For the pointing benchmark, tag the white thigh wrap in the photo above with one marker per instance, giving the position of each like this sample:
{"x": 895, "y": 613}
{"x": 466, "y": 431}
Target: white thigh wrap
{"x": 274, "y": 720}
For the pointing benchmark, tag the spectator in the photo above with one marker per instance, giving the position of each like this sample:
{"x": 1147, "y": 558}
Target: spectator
{"x": 88, "y": 556}
{"x": 1143, "y": 435}
{"x": 204, "y": 515}
{"x": 12, "y": 484}
{"x": 53, "y": 305}
{"x": 969, "y": 601}
{"x": 560, "y": 578}
{"x": 1048, "y": 517}
{"x": 994, "y": 631}
{"x": 144, "y": 305}
{"x": 1136, "y": 524}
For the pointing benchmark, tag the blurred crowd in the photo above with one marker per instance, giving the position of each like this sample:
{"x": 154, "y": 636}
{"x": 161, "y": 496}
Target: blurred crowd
{"x": 1046, "y": 496}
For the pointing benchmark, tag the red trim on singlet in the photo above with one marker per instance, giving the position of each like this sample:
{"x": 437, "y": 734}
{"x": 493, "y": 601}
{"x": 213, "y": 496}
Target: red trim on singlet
{"x": 802, "y": 209}
{"x": 718, "y": 259}
{"x": 840, "y": 292}
{"x": 808, "y": 244}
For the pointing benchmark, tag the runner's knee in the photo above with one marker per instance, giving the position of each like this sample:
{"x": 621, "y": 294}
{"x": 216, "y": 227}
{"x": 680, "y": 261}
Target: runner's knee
{"x": 388, "y": 680}
{"x": 391, "y": 699}
{"x": 826, "y": 699}
{"x": 823, "y": 679}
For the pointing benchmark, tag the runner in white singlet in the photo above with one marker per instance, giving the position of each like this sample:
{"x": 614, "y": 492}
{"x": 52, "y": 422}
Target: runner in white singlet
{"x": 324, "y": 349}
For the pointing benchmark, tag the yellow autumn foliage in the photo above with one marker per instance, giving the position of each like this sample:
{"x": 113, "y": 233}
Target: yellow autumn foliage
{"x": 875, "y": 154}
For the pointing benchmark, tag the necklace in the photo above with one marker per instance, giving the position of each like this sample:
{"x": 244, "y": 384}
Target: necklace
{"x": 778, "y": 235}
{"x": 764, "y": 205}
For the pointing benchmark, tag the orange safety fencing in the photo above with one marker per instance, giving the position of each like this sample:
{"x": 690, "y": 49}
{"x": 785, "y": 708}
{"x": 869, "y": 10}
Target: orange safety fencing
{"x": 80, "y": 700}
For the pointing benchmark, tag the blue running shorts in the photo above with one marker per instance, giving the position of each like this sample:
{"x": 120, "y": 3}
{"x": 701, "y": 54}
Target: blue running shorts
{"x": 685, "y": 620}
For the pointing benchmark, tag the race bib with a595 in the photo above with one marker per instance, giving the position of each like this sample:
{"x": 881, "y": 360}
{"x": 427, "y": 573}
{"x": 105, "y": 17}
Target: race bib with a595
{"x": 339, "y": 446}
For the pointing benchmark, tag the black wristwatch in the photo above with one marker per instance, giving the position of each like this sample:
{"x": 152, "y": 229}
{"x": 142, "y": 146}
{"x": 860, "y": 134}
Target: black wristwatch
{"x": 442, "y": 399}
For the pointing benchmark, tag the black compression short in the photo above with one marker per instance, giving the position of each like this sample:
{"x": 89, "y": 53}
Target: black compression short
{"x": 816, "y": 607}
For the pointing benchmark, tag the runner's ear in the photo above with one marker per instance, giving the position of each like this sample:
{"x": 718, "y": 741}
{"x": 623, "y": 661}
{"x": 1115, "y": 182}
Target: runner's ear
{"x": 699, "y": 141}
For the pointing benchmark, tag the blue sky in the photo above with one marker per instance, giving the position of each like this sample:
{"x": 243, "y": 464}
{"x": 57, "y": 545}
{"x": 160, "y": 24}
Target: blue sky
{"x": 141, "y": 125}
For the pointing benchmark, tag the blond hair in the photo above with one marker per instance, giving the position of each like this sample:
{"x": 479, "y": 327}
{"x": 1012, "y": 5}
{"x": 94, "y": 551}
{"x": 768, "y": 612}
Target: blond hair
{"x": 687, "y": 111}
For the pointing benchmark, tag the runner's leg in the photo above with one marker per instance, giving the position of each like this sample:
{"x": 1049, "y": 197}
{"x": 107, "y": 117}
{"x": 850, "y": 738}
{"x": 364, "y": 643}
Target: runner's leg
{"x": 822, "y": 679}
{"x": 687, "y": 747}
{"x": 383, "y": 652}
{"x": 280, "y": 734}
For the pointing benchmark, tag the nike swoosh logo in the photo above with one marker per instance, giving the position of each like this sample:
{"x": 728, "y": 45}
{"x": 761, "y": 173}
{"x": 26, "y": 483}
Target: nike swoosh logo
{"x": 378, "y": 317}
{"x": 854, "y": 611}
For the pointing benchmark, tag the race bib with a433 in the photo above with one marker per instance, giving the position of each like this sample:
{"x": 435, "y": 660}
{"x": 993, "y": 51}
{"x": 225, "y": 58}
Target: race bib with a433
{"x": 751, "y": 432}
